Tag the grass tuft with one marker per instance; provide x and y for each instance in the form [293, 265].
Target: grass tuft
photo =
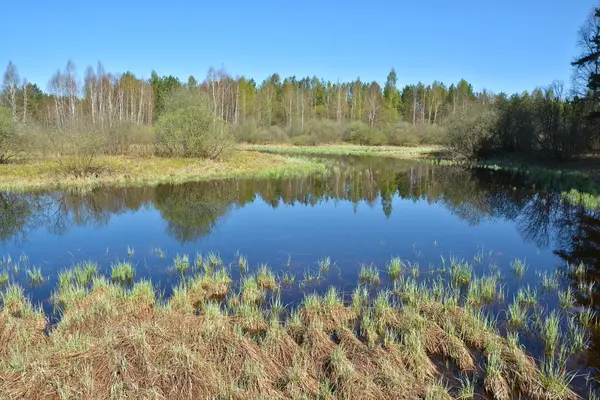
[369, 274]
[122, 272]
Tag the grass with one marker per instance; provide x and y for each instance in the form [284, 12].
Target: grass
[550, 332]
[516, 315]
[460, 271]
[288, 279]
[369, 274]
[549, 281]
[347, 149]
[243, 263]
[39, 173]
[566, 298]
[528, 296]
[35, 275]
[519, 267]
[182, 263]
[394, 268]
[207, 341]
[324, 264]
[122, 272]
[4, 279]
[83, 273]
[265, 278]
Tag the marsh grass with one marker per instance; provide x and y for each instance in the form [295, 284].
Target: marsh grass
[182, 263]
[528, 296]
[587, 317]
[213, 338]
[160, 253]
[579, 271]
[324, 264]
[288, 279]
[212, 261]
[369, 274]
[549, 281]
[35, 275]
[130, 252]
[122, 272]
[310, 277]
[243, 263]
[461, 271]
[4, 279]
[265, 278]
[394, 268]
[519, 267]
[566, 299]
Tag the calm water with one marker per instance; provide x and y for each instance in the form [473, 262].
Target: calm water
[365, 210]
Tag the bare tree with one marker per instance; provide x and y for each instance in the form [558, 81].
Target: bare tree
[10, 85]
[25, 99]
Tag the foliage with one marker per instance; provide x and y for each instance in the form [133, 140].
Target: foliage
[7, 134]
[192, 129]
[470, 132]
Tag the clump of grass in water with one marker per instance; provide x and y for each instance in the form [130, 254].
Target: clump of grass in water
[484, 290]
[527, 296]
[3, 279]
[516, 315]
[578, 336]
[394, 268]
[288, 279]
[35, 275]
[566, 299]
[579, 270]
[182, 263]
[519, 267]
[555, 380]
[158, 252]
[213, 260]
[414, 270]
[310, 277]
[243, 263]
[265, 277]
[324, 264]
[82, 273]
[130, 252]
[586, 288]
[467, 388]
[587, 317]
[369, 274]
[122, 272]
[460, 271]
[550, 332]
[198, 262]
[549, 281]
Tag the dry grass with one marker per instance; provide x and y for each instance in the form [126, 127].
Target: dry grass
[115, 342]
[128, 170]
[418, 152]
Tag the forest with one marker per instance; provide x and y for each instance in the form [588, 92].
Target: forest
[99, 112]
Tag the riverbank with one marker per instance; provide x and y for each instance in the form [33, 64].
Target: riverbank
[128, 171]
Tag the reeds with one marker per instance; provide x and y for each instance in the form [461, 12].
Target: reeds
[35, 275]
[182, 263]
[265, 278]
[122, 272]
[550, 331]
[460, 271]
[394, 268]
[519, 267]
[324, 264]
[369, 274]
[566, 299]
[516, 314]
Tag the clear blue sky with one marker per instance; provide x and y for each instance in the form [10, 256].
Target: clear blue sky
[502, 45]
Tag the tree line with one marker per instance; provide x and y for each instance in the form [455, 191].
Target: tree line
[120, 111]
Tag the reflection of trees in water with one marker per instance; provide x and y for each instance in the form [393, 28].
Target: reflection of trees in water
[192, 210]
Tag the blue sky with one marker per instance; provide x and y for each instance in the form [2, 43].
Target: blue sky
[502, 45]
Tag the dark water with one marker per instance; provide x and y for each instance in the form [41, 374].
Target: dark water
[365, 210]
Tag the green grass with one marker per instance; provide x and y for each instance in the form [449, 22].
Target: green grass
[578, 336]
[4, 279]
[130, 252]
[519, 267]
[550, 331]
[484, 290]
[516, 315]
[528, 296]
[83, 273]
[461, 271]
[394, 268]
[288, 279]
[243, 263]
[549, 281]
[369, 274]
[160, 253]
[566, 299]
[182, 263]
[555, 380]
[265, 277]
[588, 201]
[35, 275]
[122, 272]
[324, 264]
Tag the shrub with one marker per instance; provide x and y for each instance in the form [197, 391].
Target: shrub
[77, 150]
[7, 135]
[192, 131]
[359, 133]
[470, 132]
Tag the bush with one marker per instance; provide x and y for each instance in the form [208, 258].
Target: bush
[471, 132]
[77, 150]
[193, 131]
[8, 135]
[359, 133]
[250, 132]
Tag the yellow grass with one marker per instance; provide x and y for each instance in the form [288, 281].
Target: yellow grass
[129, 170]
